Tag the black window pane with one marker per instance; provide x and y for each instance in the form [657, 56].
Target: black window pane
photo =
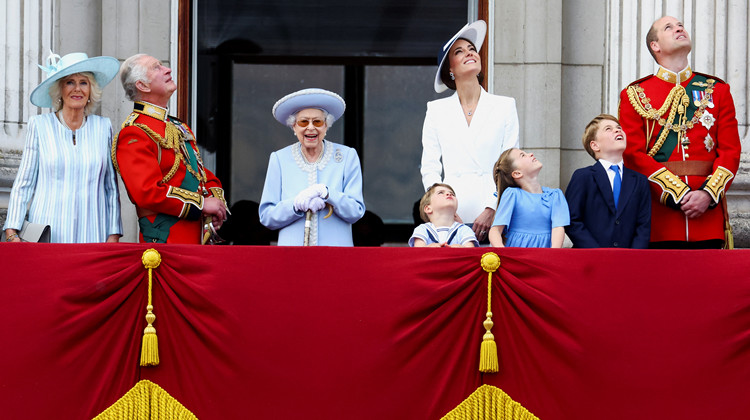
[255, 133]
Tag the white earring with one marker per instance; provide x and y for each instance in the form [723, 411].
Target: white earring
[452, 76]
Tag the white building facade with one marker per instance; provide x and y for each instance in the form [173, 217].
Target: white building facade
[564, 62]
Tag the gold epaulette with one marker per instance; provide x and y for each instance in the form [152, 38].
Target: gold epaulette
[717, 182]
[670, 184]
[129, 121]
[708, 76]
[641, 80]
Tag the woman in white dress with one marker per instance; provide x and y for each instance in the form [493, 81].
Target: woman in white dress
[465, 133]
[65, 169]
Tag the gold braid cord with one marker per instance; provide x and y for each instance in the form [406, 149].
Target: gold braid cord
[174, 142]
[488, 353]
[146, 400]
[677, 102]
[150, 345]
[490, 403]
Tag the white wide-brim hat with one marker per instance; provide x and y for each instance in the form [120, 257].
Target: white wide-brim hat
[308, 98]
[474, 32]
[104, 69]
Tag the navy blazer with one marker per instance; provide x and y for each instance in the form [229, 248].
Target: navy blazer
[594, 221]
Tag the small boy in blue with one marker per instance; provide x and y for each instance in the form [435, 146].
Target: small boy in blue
[438, 209]
[610, 205]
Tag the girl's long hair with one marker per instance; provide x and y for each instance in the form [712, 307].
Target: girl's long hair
[502, 173]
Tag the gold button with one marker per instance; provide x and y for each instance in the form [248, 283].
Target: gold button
[687, 155]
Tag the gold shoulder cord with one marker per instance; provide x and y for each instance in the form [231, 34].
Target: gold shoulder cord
[113, 152]
[173, 142]
[677, 102]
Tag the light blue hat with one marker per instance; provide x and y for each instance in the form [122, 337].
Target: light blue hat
[309, 98]
[104, 69]
[474, 32]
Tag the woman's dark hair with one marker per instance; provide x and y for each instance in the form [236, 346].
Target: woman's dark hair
[445, 76]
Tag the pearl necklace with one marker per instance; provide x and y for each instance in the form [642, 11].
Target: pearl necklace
[62, 120]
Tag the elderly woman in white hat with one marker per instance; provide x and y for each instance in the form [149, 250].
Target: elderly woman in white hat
[65, 165]
[313, 175]
[465, 133]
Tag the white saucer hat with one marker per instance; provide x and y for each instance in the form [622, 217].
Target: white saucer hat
[474, 32]
[308, 98]
[104, 69]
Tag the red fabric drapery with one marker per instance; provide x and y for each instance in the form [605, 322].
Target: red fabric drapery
[268, 332]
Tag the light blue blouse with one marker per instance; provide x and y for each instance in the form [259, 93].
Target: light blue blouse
[74, 187]
[288, 173]
[529, 218]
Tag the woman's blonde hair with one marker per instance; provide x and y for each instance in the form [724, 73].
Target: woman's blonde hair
[503, 173]
[95, 92]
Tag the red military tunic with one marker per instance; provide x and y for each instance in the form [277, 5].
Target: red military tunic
[146, 162]
[702, 150]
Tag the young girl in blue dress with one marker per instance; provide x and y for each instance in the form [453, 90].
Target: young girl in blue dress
[528, 215]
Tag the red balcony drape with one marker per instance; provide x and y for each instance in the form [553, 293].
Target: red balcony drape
[366, 333]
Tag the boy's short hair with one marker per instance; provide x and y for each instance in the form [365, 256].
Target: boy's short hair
[427, 199]
[589, 134]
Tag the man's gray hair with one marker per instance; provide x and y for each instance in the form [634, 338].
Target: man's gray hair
[292, 119]
[131, 72]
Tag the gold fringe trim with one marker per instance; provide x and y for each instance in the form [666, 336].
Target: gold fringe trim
[491, 403]
[488, 352]
[150, 345]
[146, 400]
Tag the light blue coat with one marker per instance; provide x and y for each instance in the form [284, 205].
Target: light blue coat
[289, 173]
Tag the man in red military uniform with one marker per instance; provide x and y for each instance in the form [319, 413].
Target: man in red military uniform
[682, 134]
[158, 160]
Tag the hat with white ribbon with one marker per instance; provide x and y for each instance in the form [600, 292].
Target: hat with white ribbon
[104, 69]
[474, 32]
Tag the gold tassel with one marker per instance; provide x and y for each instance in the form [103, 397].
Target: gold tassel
[488, 403]
[150, 346]
[728, 236]
[488, 352]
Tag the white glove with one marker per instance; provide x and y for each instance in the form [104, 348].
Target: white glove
[320, 190]
[317, 204]
[302, 200]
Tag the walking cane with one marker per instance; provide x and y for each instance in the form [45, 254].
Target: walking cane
[308, 222]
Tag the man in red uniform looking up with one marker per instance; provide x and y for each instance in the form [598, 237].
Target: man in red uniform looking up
[158, 159]
[682, 134]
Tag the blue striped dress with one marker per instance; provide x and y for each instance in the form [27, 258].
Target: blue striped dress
[74, 187]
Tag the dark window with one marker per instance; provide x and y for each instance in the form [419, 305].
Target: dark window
[379, 55]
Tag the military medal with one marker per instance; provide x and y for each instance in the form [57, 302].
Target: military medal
[709, 142]
[707, 120]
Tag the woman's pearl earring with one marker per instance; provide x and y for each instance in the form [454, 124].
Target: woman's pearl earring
[452, 76]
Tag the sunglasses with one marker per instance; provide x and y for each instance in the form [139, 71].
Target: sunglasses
[316, 123]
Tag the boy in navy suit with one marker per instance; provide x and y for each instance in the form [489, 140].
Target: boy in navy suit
[610, 205]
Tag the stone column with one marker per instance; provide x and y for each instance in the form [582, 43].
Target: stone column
[27, 36]
[527, 54]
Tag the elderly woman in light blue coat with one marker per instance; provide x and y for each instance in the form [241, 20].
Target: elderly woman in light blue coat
[313, 175]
